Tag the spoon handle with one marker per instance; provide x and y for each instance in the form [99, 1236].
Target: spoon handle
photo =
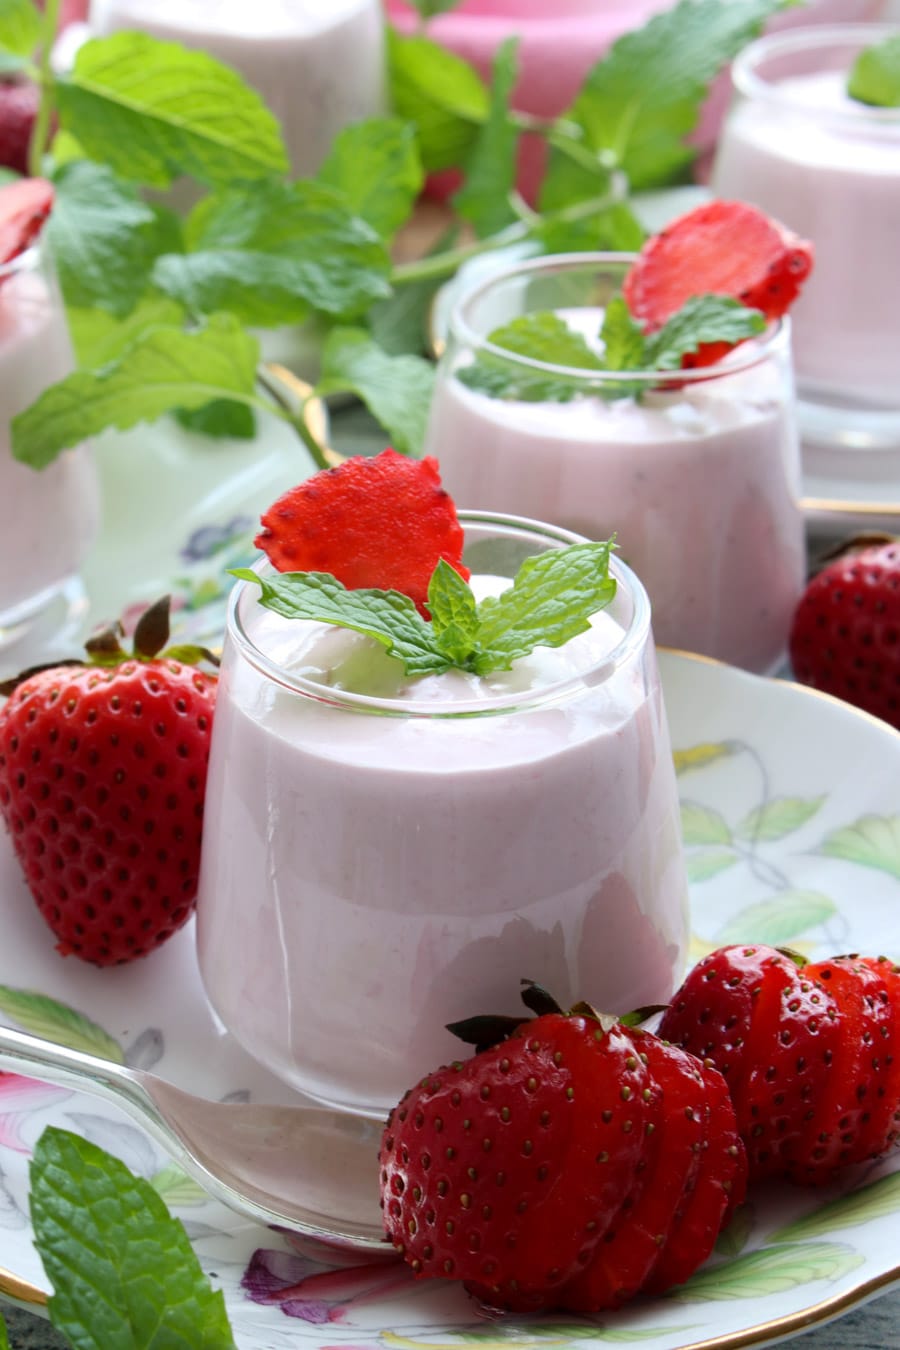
[76, 1069]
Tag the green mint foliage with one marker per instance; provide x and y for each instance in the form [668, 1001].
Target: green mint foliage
[4, 1337]
[454, 614]
[875, 77]
[546, 337]
[99, 337]
[387, 616]
[164, 368]
[643, 99]
[550, 602]
[153, 111]
[124, 1274]
[376, 167]
[396, 389]
[700, 320]
[428, 9]
[443, 96]
[490, 171]
[272, 254]
[223, 418]
[20, 32]
[102, 237]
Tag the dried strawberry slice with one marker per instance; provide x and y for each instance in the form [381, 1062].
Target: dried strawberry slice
[24, 207]
[720, 248]
[383, 521]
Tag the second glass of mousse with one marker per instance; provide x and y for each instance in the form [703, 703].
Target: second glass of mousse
[696, 471]
[385, 854]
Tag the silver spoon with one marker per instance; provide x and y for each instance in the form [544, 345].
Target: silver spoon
[304, 1168]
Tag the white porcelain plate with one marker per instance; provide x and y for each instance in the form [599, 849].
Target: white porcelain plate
[791, 807]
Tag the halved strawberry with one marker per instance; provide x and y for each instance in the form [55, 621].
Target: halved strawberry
[720, 248]
[381, 522]
[24, 207]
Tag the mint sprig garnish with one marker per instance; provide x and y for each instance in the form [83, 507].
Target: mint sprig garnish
[875, 76]
[622, 346]
[551, 601]
[124, 1274]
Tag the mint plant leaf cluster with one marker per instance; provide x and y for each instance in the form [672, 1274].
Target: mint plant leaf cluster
[546, 338]
[551, 600]
[124, 1274]
[875, 77]
[136, 114]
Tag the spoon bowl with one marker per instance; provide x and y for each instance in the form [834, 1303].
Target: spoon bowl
[306, 1169]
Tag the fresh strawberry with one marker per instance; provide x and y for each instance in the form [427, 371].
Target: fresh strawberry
[381, 522]
[809, 1053]
[19, 102]
[102, 782]
[845, 633]
[24, 207]
[720, 248]
[559, 1167]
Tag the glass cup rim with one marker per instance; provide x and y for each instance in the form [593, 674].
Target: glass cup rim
[748, 82]
[745, 356]
[22, 262]
[633, 642]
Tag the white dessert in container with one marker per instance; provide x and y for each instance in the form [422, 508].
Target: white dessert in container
[797, 145]
[48, 517]
[383, 856]
[698, 475]
[318, 64]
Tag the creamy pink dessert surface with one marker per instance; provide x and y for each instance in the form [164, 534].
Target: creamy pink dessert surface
[829, 167]
[318, 64]
[700, 485]
[367, 879]
[48, 517]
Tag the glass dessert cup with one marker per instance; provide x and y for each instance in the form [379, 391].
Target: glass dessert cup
[318, 66]
[795, 144]
[697, 472]
[48, 517]
[376, 865]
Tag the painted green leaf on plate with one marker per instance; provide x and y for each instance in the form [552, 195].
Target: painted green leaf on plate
[702, 825]
[43, 1016]
[777, 920]
[701, 756]
[733, 1239]
[873, 841]
[770, 1271]
[177, 1188]
[878, 1200]
[710, 862]
[778, 818]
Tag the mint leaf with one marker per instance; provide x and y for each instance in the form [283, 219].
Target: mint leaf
[550, 602]
[99, 337]
[155, 110]
[4, 1338]
[375, 166]
[164, 368]
[427, 9]
[702, 319]
[270, 255]
[490, 169]
[397, 390]
[124, 1274]
[101, 235]
[20, 29]
[441, 94]
[454, 614]
[875, 77]
[615, 229]
[643, 99]
[387, 616]
[545, 336]
[541, 336]
[221, 419]
[624, 344]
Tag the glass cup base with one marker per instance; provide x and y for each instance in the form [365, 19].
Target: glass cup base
[848, 440]
[45, 627]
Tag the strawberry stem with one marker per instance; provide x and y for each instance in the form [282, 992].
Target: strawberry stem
[40, 132]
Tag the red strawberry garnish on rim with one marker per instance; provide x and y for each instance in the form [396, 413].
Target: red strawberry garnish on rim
[24, 208]
[721, 248]
[102, 786]
[382, 522]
